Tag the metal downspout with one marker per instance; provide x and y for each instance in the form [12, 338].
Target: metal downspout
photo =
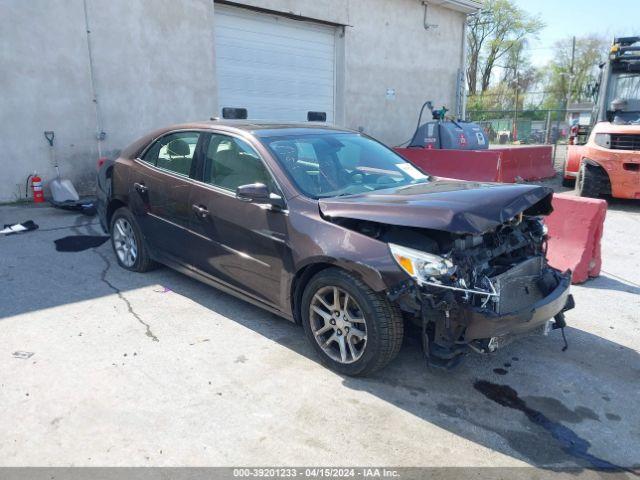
[462, 96]
[100, 134]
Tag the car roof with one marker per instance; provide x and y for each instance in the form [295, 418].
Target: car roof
[263, 128]
[259, 129]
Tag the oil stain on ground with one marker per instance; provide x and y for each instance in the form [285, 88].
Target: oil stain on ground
[78, 243]
[568, 441]
[558, 411]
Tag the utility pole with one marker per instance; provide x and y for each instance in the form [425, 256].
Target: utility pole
[567, 96]
[571, 70]
[571, 75]
[515, 114]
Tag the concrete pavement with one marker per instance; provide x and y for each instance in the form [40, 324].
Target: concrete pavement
[158, 369]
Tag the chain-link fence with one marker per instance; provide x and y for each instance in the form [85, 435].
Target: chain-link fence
[523, 127]
[528, 127]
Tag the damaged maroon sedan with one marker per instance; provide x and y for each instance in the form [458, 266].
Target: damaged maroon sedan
[333, 230]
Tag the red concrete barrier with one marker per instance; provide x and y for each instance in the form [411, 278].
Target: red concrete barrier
[527, 163]
[575, 231]
[496, 165]
[474, 165]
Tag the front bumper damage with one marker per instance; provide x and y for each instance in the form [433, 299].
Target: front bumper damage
[453, 326]
[482, 324]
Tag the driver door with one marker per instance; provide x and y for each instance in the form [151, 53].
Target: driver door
[241, 244]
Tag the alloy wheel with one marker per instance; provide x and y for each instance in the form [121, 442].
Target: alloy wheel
[124, 242]
[338, 324]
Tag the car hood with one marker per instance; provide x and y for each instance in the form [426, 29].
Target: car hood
[448, 205]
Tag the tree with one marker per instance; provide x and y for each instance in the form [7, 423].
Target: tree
[518, 73]
[517, 77]
[492, 34]
[564, 85]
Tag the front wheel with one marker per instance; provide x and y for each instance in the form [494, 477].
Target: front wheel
[355, 330]
[590, 182]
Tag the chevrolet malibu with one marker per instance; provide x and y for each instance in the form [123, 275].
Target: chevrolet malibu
[333, 230]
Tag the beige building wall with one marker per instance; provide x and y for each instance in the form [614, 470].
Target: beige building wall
[152, 63]
[389, 64]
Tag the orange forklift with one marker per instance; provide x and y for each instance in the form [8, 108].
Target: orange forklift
[608, 163]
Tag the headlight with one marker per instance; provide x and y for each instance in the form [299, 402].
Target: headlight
[421, 265]
[545, 230]
[603, 140]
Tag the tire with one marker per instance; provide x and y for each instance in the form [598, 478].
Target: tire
[591, 181]
[371, 313]
[142, 261]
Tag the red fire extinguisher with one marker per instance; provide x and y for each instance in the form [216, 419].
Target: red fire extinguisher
[36, 186]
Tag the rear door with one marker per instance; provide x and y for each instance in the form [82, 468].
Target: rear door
[241, 244]
[161, 182]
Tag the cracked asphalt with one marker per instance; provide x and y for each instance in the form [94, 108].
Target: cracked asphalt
[99, 366]
[103, 277]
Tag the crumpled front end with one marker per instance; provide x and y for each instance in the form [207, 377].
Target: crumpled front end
[499, 286]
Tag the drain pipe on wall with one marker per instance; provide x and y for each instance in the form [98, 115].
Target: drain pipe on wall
[468, 7]
[473, 10]
[426, 24]
[462, 75]
[100, 134]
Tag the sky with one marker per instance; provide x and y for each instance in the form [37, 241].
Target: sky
[565, 18]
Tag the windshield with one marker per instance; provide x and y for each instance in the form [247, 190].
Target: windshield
[336, 164]
[624, 94]
[626, 86]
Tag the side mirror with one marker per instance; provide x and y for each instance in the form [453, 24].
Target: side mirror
[259, 193]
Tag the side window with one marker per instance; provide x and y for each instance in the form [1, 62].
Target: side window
[231, 162]
[174, 152]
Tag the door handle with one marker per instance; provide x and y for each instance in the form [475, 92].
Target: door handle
[200, 211]
[141, 187]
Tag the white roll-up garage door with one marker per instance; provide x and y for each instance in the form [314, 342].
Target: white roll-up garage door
[277, 68]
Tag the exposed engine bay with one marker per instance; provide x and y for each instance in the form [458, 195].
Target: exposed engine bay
[474, 259]
[481, 262]
[482, 279]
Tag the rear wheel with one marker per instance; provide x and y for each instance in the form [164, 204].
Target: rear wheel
[592, 181]
[128, 243]
[355, 330]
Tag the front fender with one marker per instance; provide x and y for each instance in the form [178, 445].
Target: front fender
[574, 157]
[368, 274]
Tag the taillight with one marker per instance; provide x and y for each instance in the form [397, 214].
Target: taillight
[101, 161]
